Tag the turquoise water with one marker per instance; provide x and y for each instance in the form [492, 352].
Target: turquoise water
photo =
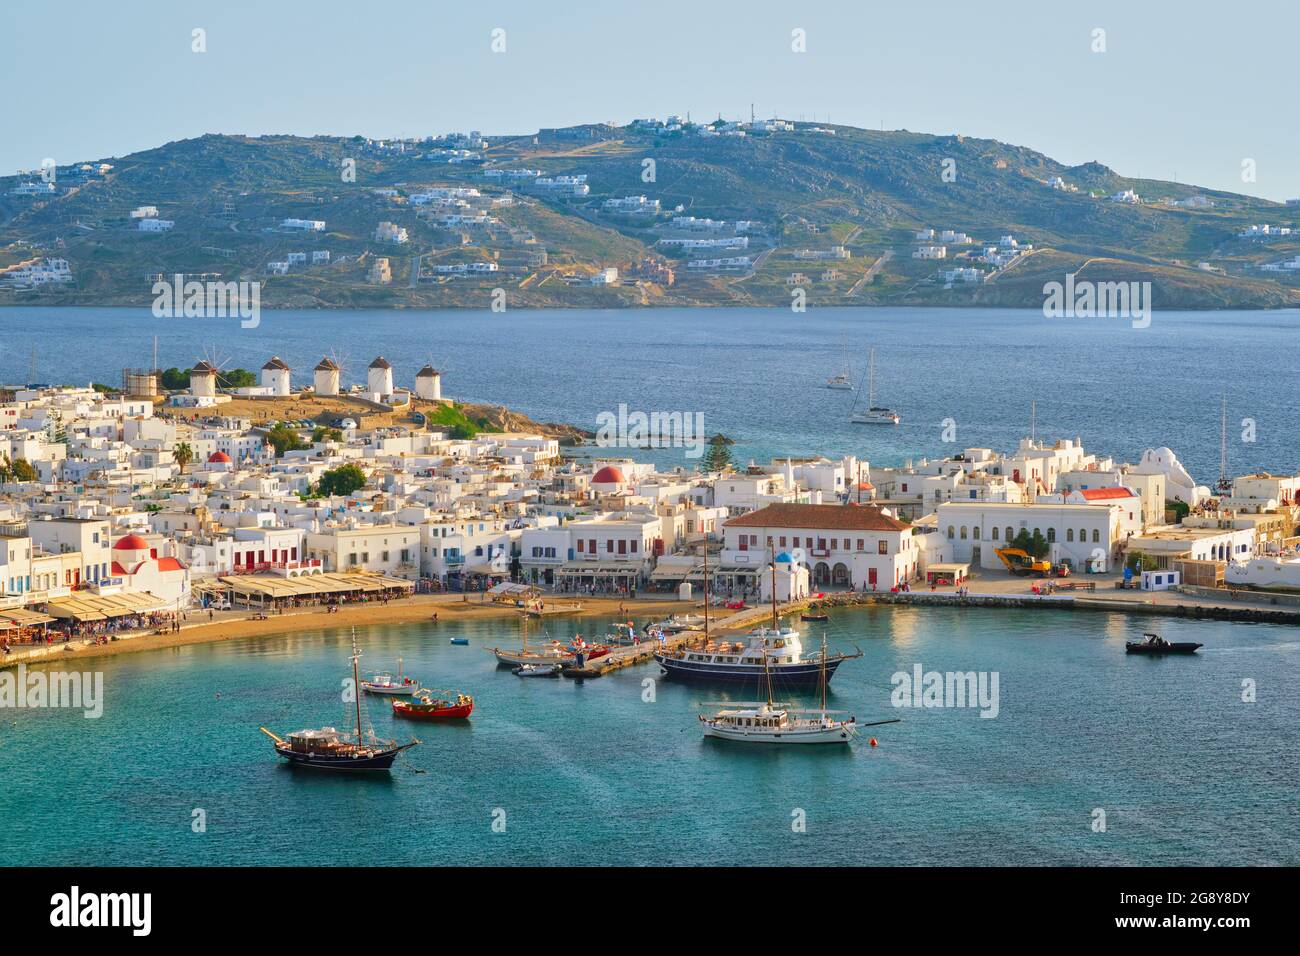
[590, 773]
[756, 374]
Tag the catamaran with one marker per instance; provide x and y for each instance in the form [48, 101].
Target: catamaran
[332, 749]
[873, 414]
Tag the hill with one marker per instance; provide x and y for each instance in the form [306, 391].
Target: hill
[832, 211]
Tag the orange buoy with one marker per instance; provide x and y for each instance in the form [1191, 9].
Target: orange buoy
[873, 741]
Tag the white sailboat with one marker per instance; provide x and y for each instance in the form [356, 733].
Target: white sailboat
[841, 381]
[767, 722]
[873, 414]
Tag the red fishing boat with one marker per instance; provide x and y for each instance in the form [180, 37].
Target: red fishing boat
[435, 705]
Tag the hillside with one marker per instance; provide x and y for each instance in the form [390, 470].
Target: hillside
[783, 195]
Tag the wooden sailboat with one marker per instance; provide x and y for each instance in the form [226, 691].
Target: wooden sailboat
[332, 749]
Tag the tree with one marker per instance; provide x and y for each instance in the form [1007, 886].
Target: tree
[342, 480]
[322, 433]
[23, 471]
[718, 457]
[183, 454]
[284, 439]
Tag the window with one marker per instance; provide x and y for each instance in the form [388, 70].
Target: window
[950, 532]
[963, 532]
[1051, 535]
[995, 533]
[1083, 535]
[882, 547]
[1069, 534]
[635, 545]
[1011, 534]
[1096, 536]
[580, 545]
[861, 545]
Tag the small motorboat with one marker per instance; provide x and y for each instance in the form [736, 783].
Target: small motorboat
[399, 686]
[1155, 644]
[435, 705]
[537, 670]
[462, 641]
[806, 616]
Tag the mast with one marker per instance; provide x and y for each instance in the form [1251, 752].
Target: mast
[356, 682]
[776, 621]
[823, 669]
[1223, 445]
[871, 378]
[706, 589]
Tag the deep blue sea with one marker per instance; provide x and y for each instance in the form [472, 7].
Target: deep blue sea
[756, 374]
[591, 772]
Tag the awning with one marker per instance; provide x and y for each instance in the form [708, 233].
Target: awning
[676, 572]
[24, 618]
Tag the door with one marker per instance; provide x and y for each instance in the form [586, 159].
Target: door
[871, 577]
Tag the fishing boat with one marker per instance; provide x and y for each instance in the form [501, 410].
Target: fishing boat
[767, 722]
[552, 652]
[747, 662]
[399, 686]
[332, 749]
[813, 616]
[676, 624]
[873, 414]
[538, 670]
[435, 705]
[1155, 644]
[621, 635]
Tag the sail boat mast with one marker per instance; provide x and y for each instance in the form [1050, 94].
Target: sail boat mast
[706, 589]
[356, 682]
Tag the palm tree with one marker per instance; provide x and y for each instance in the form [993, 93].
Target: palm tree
[183, 454]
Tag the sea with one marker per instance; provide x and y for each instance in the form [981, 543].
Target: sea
[959, 378]
[1090, 756]
[1093, 757]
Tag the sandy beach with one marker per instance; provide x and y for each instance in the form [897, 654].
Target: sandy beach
[229, 625]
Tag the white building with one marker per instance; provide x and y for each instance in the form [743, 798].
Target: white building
[156, 225]
[325, 380]
[379, 378]
[303, 225]
[428, 384]
[275, 377]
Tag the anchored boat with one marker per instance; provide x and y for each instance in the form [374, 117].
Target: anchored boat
[873, 414]
[435, 705]
[399, 686]
[332, 749]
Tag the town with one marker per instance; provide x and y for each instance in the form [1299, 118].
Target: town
[145, 508]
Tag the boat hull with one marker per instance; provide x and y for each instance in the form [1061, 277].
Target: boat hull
[379, 761]
[803, 674]
[418, 712]
[1173, 648]
[519, 658]
[391, 690]
[836, 734]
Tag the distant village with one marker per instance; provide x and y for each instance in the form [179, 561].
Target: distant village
[118, 505]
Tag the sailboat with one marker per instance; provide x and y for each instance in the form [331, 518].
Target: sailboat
[769, 650]
[767, 722]
[332, 749]
[873, 414]
[841, 381]
[551, 653]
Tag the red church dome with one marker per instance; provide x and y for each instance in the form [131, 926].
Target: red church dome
[218, 458]
[131, 542]
[609, 475]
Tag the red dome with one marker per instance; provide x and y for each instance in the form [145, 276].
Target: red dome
[219, 457]
[609, 475]
[131, 542]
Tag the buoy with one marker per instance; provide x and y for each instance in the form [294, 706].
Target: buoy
[873, 741]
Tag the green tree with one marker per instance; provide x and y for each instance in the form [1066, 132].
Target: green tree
[342, 480]
[284, 439]
[718, 455]
[322, 433]
[23, 471]
[174, 379]
[183, 454]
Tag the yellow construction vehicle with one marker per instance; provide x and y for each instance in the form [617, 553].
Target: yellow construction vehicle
[1018, 561]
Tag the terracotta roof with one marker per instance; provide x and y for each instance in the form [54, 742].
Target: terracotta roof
[819, 517]
[609, 475]
[1101, 494]
[170, 564]
[131, 542]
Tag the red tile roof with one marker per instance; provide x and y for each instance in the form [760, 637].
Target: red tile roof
[1101, 494]
[819, 518]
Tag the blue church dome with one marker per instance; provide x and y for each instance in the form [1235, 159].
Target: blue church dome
[784, 558]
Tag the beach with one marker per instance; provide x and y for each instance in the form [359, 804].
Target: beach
[229, 625]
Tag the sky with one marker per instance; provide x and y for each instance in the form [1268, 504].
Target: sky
[1186, 90]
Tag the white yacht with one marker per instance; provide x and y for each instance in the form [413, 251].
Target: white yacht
[840, 382]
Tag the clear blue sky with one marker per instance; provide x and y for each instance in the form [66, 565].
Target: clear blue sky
[1185, 90]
